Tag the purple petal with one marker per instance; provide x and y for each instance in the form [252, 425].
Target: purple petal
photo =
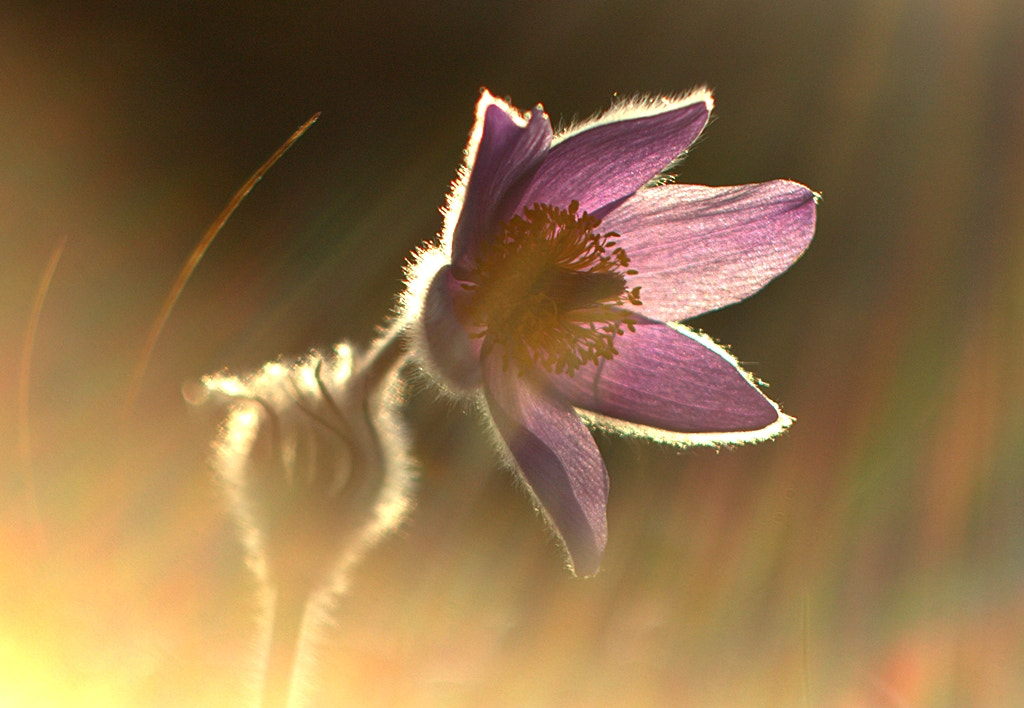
[507, 150]
[451, 351]
[668, 379]
[557, 458]
[701, 248]
[609, 161]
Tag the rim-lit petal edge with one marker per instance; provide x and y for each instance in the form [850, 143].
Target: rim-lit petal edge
[624, 149]
[543, 439]
[724, 243]
[638, 107]
[717, 439]
[455, 200]
[420, 271]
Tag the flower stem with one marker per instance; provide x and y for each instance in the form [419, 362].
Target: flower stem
[293, 587]
[289, 610]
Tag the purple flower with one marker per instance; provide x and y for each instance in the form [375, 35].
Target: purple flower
[563, 261]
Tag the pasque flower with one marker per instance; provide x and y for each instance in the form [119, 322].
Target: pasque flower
[563, 263]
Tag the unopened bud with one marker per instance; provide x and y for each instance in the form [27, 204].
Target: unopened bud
[313, 459]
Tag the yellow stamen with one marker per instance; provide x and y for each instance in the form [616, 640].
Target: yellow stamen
[550, 291]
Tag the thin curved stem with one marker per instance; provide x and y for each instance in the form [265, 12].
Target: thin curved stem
[24, 379]
[193, 261]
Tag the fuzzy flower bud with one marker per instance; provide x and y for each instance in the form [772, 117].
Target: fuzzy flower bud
[313, 460]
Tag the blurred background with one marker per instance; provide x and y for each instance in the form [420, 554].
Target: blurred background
[872, 556]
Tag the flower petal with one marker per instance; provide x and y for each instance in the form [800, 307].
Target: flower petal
[557, 458]
[671, 379]
[604, 163]
[503, 149]
[700, 248]
[451, 351]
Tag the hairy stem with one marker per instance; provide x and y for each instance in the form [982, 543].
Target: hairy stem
[289, 611]
[292, 595]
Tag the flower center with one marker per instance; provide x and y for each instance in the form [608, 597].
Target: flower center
[549, 290]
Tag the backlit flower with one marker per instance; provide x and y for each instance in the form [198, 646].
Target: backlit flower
[563, 258]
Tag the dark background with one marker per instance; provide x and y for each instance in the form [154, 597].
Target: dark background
[873, 555]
